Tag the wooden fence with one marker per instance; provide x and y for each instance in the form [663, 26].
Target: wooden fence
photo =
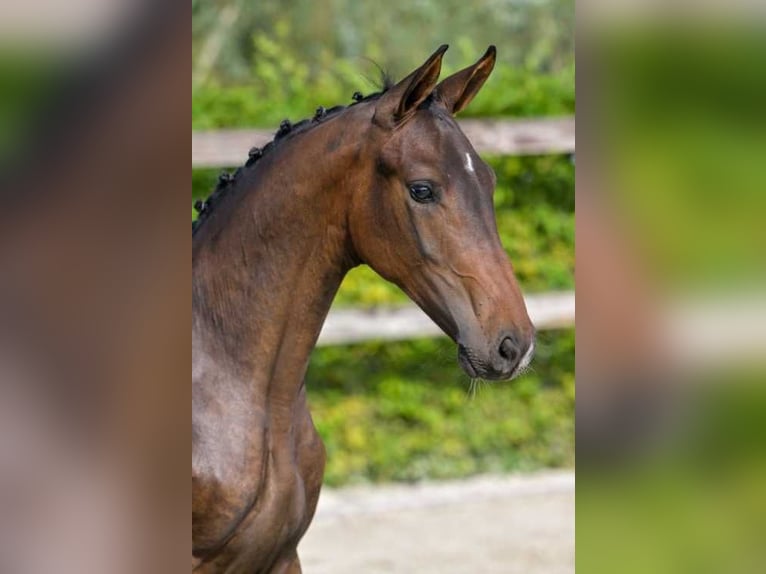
[228, 148]
[547, 311]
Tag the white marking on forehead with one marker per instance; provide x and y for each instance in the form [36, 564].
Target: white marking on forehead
[468, 162]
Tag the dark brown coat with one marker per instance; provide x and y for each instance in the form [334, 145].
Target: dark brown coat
[391, 182]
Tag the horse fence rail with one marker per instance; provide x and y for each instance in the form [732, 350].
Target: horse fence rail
[344, 326]
[229, 147]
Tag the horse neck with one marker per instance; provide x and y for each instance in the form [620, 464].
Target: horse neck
[266, 272]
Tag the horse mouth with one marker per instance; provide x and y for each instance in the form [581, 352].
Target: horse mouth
[464, 359]
[475, 367]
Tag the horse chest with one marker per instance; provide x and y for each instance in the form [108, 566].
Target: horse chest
[293, 481]
[266, 518]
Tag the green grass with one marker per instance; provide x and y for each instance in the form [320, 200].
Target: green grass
[404, 411]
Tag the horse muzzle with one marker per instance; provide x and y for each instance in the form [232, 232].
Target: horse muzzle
[505, 359]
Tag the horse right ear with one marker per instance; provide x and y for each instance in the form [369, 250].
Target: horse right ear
[398, 103]
[457, 90]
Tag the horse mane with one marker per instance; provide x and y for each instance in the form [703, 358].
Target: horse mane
[227, 181]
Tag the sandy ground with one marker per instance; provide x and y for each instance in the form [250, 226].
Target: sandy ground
[489, 524]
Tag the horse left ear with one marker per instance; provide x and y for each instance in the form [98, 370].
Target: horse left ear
[398, 103]
[457, 90]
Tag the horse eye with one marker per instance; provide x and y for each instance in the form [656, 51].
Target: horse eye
[422, 192]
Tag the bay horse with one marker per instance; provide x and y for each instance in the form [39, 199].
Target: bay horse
[390, 181]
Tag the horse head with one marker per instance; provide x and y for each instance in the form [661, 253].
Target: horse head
[425, 220]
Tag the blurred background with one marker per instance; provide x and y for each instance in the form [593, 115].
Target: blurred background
[671, 198]
[94, 288]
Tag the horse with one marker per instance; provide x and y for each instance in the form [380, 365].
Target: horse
[389, 181]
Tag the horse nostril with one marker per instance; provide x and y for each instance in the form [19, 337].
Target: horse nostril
[508, 350]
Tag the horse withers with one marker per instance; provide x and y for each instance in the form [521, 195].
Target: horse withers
[390, 181]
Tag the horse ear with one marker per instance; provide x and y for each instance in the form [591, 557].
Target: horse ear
[399, 102]
[457, 90]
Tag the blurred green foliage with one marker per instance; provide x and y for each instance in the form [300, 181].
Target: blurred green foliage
[285, 88]
[404, 411]
[533, 35]
[248, 73]
[26, 84]
[691, 502]
[684, 141]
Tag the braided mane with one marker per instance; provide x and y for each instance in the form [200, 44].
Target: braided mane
[227, 181]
